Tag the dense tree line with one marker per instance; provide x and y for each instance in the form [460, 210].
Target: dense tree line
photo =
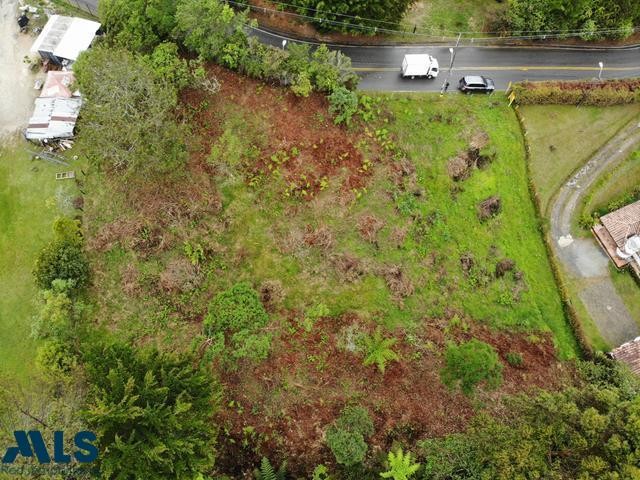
[593, 19]
[353, 15]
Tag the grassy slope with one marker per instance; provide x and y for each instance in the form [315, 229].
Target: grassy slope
[444, 17]
[30, 199]
[260, 223]
[615, 185]
[563, 137]
[514, 232]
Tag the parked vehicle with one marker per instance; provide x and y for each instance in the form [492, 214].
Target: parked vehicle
[476, 83]
[419, 65]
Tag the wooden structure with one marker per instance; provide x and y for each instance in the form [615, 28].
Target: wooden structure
[629, 354]
[615, 228]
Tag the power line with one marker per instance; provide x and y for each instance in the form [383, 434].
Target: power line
[536, 34]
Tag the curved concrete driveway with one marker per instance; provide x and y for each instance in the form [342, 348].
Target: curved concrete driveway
[582, 257]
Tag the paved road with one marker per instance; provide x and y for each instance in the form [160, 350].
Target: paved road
[582, 258]
[379, 65]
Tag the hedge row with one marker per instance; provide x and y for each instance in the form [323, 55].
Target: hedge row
[570, 312]
[612, 92]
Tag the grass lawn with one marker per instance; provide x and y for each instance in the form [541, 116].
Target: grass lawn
[434, 130]
[614, 186]
[628, 290]
[563, 137]
[443, 17]
[30, 199]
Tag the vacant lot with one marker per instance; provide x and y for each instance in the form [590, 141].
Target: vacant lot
[562, 138]
[417, 220]
[30, 199]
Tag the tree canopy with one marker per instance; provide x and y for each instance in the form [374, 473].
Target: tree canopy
[128, 119]
[151, 411]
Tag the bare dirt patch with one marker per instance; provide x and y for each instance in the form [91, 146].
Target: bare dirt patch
[303, 143]
[288, 401]
[16, 80]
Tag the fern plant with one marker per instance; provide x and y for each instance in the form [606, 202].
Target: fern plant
[379, 350]
[267, 472]
[400, 466]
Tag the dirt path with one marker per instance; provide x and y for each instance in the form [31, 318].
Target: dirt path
[582, 258]
[16, 81]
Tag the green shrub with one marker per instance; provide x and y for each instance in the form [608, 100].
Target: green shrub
[343, 104]
[346, 437]
[267, 472]
[152, 412]
[400, 466]
[514, 359]
[301, 86]
[62, 260]
[55, 359]
[469, 364]
[167, 64]
[349, 448]
[355, 419]
[378, 350]
[236, 320]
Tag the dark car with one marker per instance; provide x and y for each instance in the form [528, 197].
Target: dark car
[471, 83]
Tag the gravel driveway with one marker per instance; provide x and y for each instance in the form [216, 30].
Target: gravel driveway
[582, 258]
[16, 81]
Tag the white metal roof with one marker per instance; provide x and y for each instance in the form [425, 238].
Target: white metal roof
[53, 118]
[66, 37]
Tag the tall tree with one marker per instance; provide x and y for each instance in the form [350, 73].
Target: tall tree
[151, 411]
[128, 119]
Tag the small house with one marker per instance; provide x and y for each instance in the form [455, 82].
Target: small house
[629, 354]
[56, 109]
[618, 233]
[63, 39]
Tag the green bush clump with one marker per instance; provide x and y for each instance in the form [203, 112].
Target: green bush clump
[469, 364]
[236, 320]
[514, 359]
[346, 436]
[54, 359]
[343, 104]
[63, 258]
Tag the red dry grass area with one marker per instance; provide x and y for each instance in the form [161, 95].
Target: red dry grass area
[301, 388]
[324, 150]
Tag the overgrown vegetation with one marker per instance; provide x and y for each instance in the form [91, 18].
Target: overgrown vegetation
[152, 412]
[593, 19]
[470, 364]
[362, 16]
[601, 94]
[257, 268]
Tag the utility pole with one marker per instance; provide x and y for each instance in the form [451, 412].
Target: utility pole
[601, 65]
[452, 52]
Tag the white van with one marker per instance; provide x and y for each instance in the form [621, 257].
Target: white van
[419, 65]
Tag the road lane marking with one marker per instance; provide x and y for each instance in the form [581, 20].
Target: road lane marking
[513, 68]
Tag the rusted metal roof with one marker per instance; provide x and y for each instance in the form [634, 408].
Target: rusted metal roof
[53, 118]
[623, 223]
[629, 354]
